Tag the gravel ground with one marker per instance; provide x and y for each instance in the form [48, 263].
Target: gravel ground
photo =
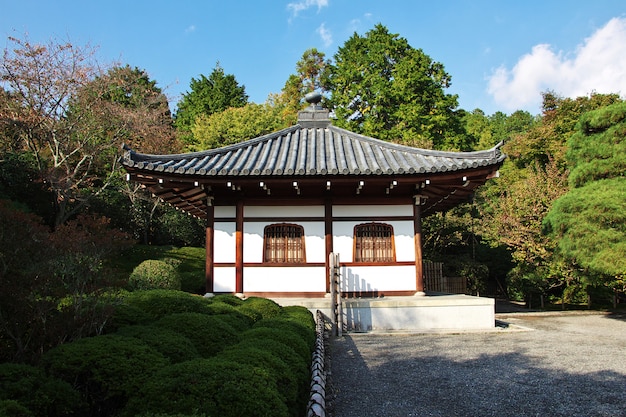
[542, 364]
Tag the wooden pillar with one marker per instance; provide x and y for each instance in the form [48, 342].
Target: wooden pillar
[209, 248]
[417, 237]
[328, 237]
[239, 248]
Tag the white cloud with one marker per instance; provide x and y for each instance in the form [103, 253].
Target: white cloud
[191, 28]
[597, 65]
[325, 34]
[297, 7]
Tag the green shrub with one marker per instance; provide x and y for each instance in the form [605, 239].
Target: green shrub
[191, 268]
[173, 345]
[231, 315]
[158, 303]
[209, 334]
[299, 314]
[107, 370]
[11, 408]
[125, 314]
[282, 335]
[231, 299]
[266, 307]
[154, 274]
[299, 368]
[251, 313]
[40, 394]
[288, 326]
[211, 386]
[286, 381]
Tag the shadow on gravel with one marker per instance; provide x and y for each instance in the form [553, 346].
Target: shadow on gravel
[617, 316]
[450, 376]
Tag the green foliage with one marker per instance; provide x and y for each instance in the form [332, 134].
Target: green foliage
[174, 346]
[285, 334]
[286, 382]
[158, 303]
[210, 95]
[589, 220]
[209, 334]
[299, 368]
[264, 306]
[212, 386]
[596, 151]
[590, 223]
[237, 124]
[11, 408]
[154, 274]
[107, 370]
[41, 395]
[51, 290]
[382, 87]
[284, 324]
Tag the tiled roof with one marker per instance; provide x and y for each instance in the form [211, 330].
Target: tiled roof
[312, 151]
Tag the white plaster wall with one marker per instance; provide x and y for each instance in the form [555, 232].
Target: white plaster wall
[224, 279]
[378, 278]
[283, 211]
[313, 241]
[373, 210]
[284, 279]
[225, 211]
[224, 242]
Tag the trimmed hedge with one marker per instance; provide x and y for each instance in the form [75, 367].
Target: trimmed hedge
[212, 386]
[154, 274]
[158, 303]
[107, 370]
[173, 345]
[285, 380]
[285, 336]
[286, 325]
[267, 308]
[36, 392]
[209, 334]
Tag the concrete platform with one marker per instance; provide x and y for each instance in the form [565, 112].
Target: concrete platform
[433, 311]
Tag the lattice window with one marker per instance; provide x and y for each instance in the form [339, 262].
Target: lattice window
[284, 243]
[373, 242]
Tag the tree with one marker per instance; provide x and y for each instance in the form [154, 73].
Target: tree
[590, 220]
[237, 124]
[309, 75]
[41, 80]
[383, 87]
[210, 95]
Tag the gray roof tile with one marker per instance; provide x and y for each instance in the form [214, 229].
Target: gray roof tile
[312, 151]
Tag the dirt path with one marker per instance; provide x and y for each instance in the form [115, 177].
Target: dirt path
[542, 365]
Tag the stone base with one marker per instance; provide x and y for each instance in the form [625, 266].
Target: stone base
[433, 311]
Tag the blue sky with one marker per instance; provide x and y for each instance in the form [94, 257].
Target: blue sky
[501, 54]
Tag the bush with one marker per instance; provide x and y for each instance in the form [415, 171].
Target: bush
[174, 346]
[11, 408]
[209, 334]
[107, 370]
[158, 303]
[230, 299]
[211, 386]
[285, 325]
[38, 393]
[298, 367]
[267, 308]
[284, 335]
[154, 274]
[231, 315]
[284, 378]
[127, 315]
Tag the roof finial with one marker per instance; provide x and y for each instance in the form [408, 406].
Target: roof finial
[313, 98]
